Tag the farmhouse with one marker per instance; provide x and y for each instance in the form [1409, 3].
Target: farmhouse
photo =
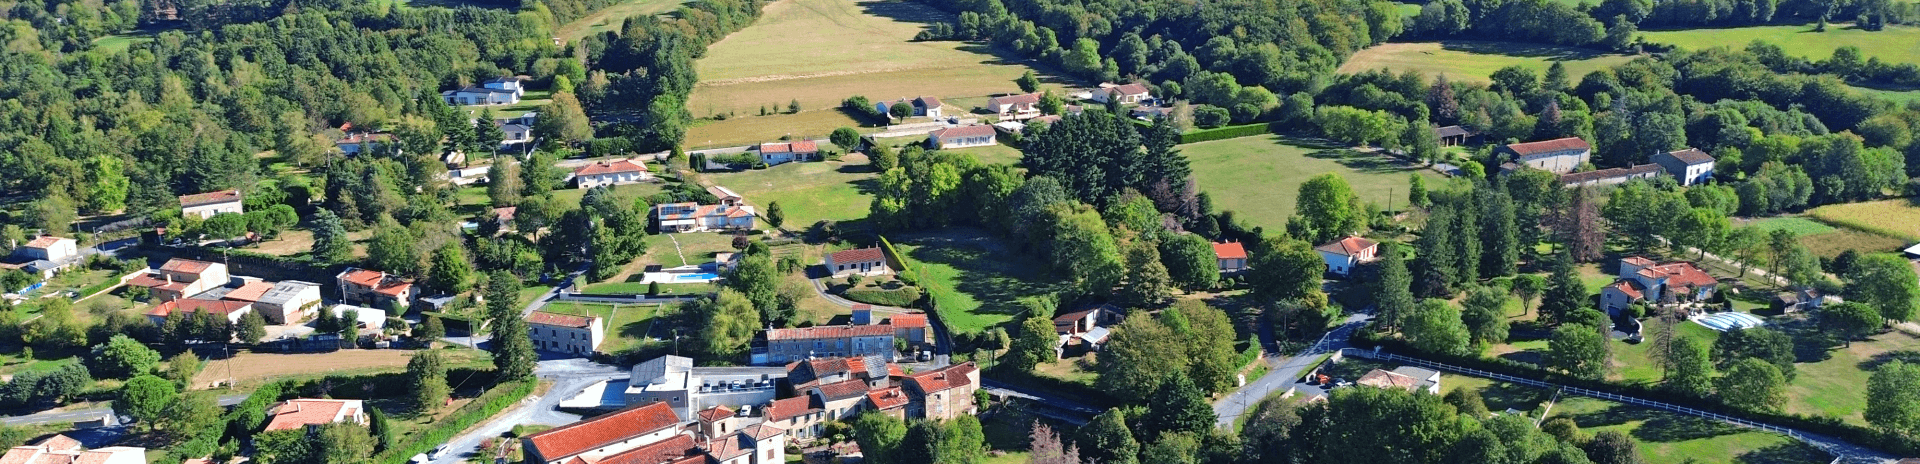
[862, 261]
[695, 217]
[1689, 166]
[616, 172]
[375, 288]
[565, 333]
[232, 310]
[1126, 94]
[1232, 256]
[286, 301]
[1611, 176]
[1407, 378]
[787, 152]
[307, 412]
[1641, 280]
[1023, 106]
[205, 205]
[725, 196]
[1084, 330]
[600, 438]
[922, 106]
[59, 449]
[49, 248]
[1455, 136]
[180, 278]
[1343, 255]
[1560, 156]
[961, 137]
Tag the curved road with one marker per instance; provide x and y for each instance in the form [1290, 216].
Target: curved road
[1282, 372]
[569, 377]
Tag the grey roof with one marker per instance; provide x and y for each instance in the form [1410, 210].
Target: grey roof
[1690, 156]
[654, 370]
[1415, 372]
[284, 291]
[1451, 131]
[876, 366]
[39, 265]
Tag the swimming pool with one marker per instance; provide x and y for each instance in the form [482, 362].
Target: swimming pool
[1722, 322]
[701, 277]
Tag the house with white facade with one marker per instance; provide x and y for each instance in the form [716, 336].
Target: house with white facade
[1640, 279]
[1023, 106]
[1343, 255]
[1559, 156]
[61, 449]
[923, 106]
[181, 278]
[496, 91]
[726, 196]
[616, 172]
[787, 152]
[604, 437]
[861, 261]
[287, 301]
[205, 205]
[228, 309]
[311, 412]
[375, 288]
[961, 137]
[49, 248]
[1231, 255]
[1126, 94]
[1689, 166]
[357, 142]
[513, 135]
[695, 217]
[566, 333]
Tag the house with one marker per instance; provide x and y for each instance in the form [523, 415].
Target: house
[1126, 94]
[1232, 256]
[787, 152]
[287, 301]
[565, 333]
[594, 440]
[943, 393]
[375, 288]
[1642, 280]
[1147, 113]
[503, 216]
[616, 172]
[1084, 330]
[1408, 378]
[357, 142]
[725, 196]
[1451, 136]
[694, 217]
[754, 444]
[672, 380]
[249, 291]
[809, 373]
[509, 83]
[862, 261]
[1611, 176]
[1689, 166]
[512, 135]
[798, 415]
[788, 345]
[891, 401]
[364, 317]
[922, 106]
[49, 248]
[1803, 299]
[961, 137]
[308, 412]
[1023, 106]
[205, 205]
[1343, 255]
[911, 327]
[60, 449]
[180, 278]
[1560, 156]
[840, 400]
[496, 91]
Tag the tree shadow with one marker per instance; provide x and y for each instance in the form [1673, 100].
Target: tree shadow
[1907, 356]
[1549, 52]
[1674, 427]
[1792, 452]
[1365, 162]
[1529, 357]
[1504, 396]
[1616, 415]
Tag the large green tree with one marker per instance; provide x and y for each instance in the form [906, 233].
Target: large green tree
[1435, 326]
[1689, 370]
[1893, 397]
[146, 398]
[1850, 321]
[1887, 283]
[1190, 260]
[1283, 269]
[1483, 311]
[121, 357]
[427, 381]
[729, 320]
[1177, 407]
[1753, 384]
[1579, 350]
[1328, 208]
[1107, 439]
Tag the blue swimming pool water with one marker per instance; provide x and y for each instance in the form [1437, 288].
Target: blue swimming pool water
[701, 277]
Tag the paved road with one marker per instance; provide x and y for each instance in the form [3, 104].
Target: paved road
[51, 417]
[819, 287]
[1282, 372]
[1052, 406]
[569, 376]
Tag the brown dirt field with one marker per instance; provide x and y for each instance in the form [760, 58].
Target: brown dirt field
[249, 368]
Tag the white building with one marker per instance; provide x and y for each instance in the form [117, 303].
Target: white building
[369, 318]
[205, 205]
[1689, 166]
[566, 333]
[50, 248]
[1343, 255]
[961, 137]
[288, 301]
[616, 172]
[309, 412]
[1126, 94]
[862, 261]
[694, 217]
[798, 150]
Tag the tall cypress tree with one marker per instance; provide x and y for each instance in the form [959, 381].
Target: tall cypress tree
[1467, 239]
[1500, 255]
[1396, 286]
[1436, 249]
[1565, 294]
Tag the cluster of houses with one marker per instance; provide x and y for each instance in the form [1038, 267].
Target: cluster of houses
[1566, 156]
[187, 286]
[863, 335]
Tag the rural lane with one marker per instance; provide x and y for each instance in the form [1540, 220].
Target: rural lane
[1282, 373]
[48, 417]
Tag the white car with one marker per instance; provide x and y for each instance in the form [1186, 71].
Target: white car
[437, 453]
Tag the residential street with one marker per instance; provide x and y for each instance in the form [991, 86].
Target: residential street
[569, 377]
[1283, 372]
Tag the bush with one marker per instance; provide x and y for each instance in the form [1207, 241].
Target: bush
[1223, 133]
[900, 297]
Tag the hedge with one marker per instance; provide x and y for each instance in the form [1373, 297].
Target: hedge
[492, 402]
[1829, 426]
[1228, 132]
[899, 297]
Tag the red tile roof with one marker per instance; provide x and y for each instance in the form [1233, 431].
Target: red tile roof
[715, 413]
[1549, 146]
[1684, 274]
[728, 447]
[380, 282]
[843, 389]
[560, 320]
[963, 131]
[1230, 250]
[505, 213]
[887, 398]
[797, 146]
[675, 449]
[928, 102]
[1349, 246]
[609, 167]
[59, 442]
[223, 196]
[942, 379]
[578, 437]
[857, 255]
[908, 320]
[762, 431]
[1637, 261]
[1385, 379]
[789, 408]
[1630, 288]
[297, 413]
[250, 292]
[44, 241]
[158, 281]
[189, 306]
[830, 331]
[186, 266]
[1022, 99]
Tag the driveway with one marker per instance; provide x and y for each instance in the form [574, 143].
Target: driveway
[569, 376]
[1282, 372]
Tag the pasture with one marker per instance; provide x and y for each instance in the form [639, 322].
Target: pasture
[749, 130]
[610, 18]
[1824, 239]
[1895, 44]
[976, 281]
[807, 192]
[1473, 61]
[1258, 178]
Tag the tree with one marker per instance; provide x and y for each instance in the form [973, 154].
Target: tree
[1527, 287]
[251, 329]
[1755, 342]
[1177, 407]
[121, 357]
[395, 250]
[921, 443]
[503, 182]
[1140, 353]
[730, 321]
[1282, 269]
[1207, 334]
[1579, 350]
[1468, 401]
[879, 435]
[191, 413]
[562, 120]
[1893, 397]
[1613, 447]
[901, 110]
[961, 441]
[1327, 206]
[1035, 343]
[513, 355]
[1395, 296]
[1417, 191]
[775, 215]
[1190, 261]
[1850, 320]
[1148, 282]
[145, 398]
[1564, 293]
[450, 271]
[486, 136]
[846, 138]
[182, 367]
[1482, 311]
[427, 380]
[343, 443]
[1435, 326]
[330, 242]
[1753, 384]
[1689, 371]
[431, 330]
[1106, 439]
[1885, 282]
[1028, 82]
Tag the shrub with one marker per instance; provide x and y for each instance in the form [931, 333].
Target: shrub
[1223, 133]
[900, 297]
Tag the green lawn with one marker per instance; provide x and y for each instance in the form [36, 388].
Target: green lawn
[693, 248]
[1630, 360]
[627, 325]
[610, 18]
[976, 280]
[1893, 45]
[807, 192]
[1799, 226]
[637, 288]
[1474, 61]
[1897, 96]
[1663, 438]
[1258, 178]
[1836, 386]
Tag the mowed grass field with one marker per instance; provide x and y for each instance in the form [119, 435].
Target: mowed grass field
[1473, 61]
[1826, 240]
[1895, 44]
[1258, 178]
[977, 281]
[1662, 437]
[610, 18]
[807, 192]
[820, 52]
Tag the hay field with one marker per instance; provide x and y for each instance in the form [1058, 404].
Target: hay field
[1895, 44]
[610, 18]
[1473, 61]
[1258, 178]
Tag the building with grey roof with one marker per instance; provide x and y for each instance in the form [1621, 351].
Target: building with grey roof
[288, 301]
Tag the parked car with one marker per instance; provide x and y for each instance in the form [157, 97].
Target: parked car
[438, 452]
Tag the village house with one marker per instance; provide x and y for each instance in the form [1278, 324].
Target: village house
[1451, 136]
[602, 437]
[616, 172]
[725, 196]
[229, 309]
[49, 248]
[862, 261]
[357, 142]
[1689, 166]
[798, 415]
[283, 302]
[565, 333]
[1147, 113]
[874, 370]
[1559, 156]
[1801, 300]
[840, 400]
[943, 393]
[787, 152]
[1407, 378]
[1084, 330]
[753, 444]
[1344, 255]
[512, 135]
[1642, 280]
[961, 137]
[205, 205]
[496, 91]
[375, 288]
[61, 449]
[1126, 94]
[181, 278]
[694, 217]
[913, 328]
[503, 216]
[789, 345]
[1611, 176]
[923, 106]
[1232, 256]
[301, 413]
[1016, 107]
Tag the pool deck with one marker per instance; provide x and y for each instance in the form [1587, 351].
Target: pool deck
[700, 276]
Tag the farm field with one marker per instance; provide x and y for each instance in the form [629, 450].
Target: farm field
[1894, 45]
[976, 280]
[820, 52]
[807, 192]
[1825, 240]
[1473, 61]
[610, 18]
[748, 130]
[1897, 96]
[1898, 218]
[1258, 178]
[257, 368]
